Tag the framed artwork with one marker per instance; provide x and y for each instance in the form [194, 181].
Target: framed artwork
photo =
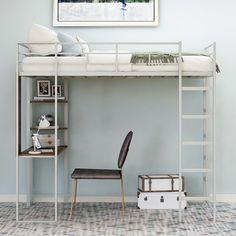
[58, 90]
[43, 88]
[105, 12]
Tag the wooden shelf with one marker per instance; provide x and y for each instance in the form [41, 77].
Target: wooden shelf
[60, 128]
[42, 155]
[48, 101]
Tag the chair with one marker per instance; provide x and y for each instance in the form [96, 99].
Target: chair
[106, 174]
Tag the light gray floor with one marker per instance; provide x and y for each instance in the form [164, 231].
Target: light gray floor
[106, 219]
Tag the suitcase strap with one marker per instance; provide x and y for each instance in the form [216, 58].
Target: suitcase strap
[172, 182]
[149, 182]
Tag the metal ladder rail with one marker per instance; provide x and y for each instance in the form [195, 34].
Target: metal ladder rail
[213, 133]
[205, 136]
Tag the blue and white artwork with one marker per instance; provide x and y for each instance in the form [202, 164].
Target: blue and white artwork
[106, 12]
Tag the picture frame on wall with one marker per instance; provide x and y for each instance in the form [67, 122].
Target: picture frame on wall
[106, 13]
[58, 90]
[43, 88]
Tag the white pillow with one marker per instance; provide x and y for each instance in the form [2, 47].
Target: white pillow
[84, 46]
[41, 34]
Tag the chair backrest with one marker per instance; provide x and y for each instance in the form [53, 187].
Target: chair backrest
[124, 149]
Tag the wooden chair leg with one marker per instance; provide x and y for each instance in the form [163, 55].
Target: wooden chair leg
[73, 199]
[122, 193]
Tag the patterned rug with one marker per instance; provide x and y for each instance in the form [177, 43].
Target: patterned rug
[107, 219]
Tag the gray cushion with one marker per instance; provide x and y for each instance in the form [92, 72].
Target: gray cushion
[80, 173]
[71, 49]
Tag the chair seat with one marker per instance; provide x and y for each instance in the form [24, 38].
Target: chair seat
[80, 173]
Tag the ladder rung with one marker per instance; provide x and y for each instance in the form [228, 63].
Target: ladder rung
[195, 143]
[195, 88]
[204, 116]
[198, 198]
[196, 170]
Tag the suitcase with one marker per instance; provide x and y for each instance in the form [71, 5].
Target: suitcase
[161, 200]
[160, 183]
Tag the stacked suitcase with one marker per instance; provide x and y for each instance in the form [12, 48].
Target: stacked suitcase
[160, 192]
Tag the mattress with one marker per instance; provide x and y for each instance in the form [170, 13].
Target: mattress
[100, 61]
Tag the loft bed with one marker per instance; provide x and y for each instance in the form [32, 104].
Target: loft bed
[117, 62]
[123, 60]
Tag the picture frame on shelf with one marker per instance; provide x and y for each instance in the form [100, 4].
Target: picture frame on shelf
[58, 90]
[106, 13]
[43, 88]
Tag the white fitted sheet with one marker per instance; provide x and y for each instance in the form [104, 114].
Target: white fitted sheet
[105, 61]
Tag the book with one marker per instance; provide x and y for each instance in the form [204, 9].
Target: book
[46, 150]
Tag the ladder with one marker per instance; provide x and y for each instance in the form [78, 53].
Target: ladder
[207, 171]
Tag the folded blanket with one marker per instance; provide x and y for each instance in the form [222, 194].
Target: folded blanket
[153, 58]
[156, 58]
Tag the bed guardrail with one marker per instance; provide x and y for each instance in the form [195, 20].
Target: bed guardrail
[119, 53]
[116, 47]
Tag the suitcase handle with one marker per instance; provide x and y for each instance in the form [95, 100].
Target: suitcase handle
[162, 199]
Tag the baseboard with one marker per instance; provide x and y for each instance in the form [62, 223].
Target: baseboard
[41, 198]
[44, 198]
[12, 198]
[226, 197]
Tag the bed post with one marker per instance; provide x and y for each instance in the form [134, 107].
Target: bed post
[56, 122]
[17, 141]
[213, 133]
[212, 53]
[180, 126]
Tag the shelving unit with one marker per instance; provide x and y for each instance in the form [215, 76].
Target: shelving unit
[24, 146]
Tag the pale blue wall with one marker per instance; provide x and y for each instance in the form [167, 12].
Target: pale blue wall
[102, 111]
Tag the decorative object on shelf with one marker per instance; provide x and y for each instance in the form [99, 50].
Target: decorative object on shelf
[58, 90]
[43, 88]
[49, 118]
[44, 123]
[105, 13]
[47, 140]
[47, 150]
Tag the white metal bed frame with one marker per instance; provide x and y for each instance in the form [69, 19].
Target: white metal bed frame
[208, 116]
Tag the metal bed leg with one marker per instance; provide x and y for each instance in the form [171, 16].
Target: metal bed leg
[180, 126]
[213, 135]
